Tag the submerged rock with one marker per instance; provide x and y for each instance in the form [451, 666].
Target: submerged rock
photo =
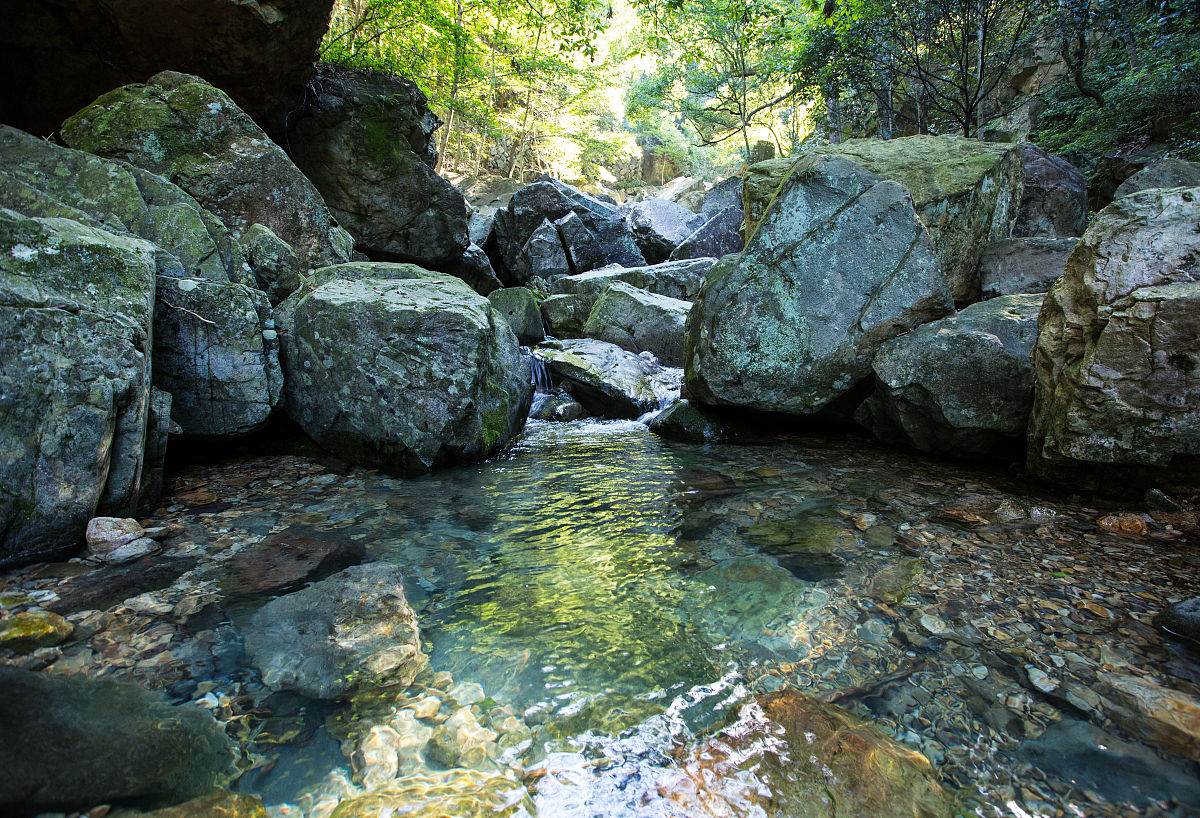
[75, 329]
[394, 366]
[1117, 355]
[30, 630]
[1023, 265]
[639, 321]
[72, 743]
[1181, 619]
[839, 264]
[365, 141]
[609, 381]
[960, 386]
[182, 128]
[352, 630]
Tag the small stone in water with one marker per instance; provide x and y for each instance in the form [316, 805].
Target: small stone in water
[1039, 679]
[427, 707]
[30, 630]
[130, 551]
[1127, 525]
[467, 693]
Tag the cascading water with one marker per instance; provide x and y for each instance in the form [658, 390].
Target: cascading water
[543, 381]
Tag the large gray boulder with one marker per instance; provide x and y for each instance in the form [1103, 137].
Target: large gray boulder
[180, 127]
[542, 255]
[394, 366]
[76, 311]
[674, 279]
[839, 264]
[1054, 200]
[564, 314]
[722, 195]
[520, 309]
[659, 226]
[966, 193]
[210, 351]
[609, 381]
[1165, 173]
[71, 743]
[353, 630]
[639, 321]
[365, 141]
[1023, 265]
[600, 236]
[1118, 349]
[960, 386]
[719, 236]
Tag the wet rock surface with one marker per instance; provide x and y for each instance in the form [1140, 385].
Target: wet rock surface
[609, 381]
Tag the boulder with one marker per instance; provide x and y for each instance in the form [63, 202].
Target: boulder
[63, 54]
[475, 268]
[565, 314]
[1054, 200]
[353, 630]
[1023, 265]
[275, 264]
[674, 279]
[686, 421]
[960, 386]
[639, 321]
[839, 264]
[1118, 349]
[580, 242]
[365, 140]
[609, 381]
[217, 352]
[549, 200]
[542, 255]
[394, 366]
[1165, 173]
[180, 127]
[71, 743]
[719, 236]
[75, 330]
[790, 754]
[659, 226]
[210, 350]
[966, 193]
[518, 306]
[1181, 619]
[722, 195]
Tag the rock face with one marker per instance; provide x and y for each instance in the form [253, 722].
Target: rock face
[1054, 200]
[1117, 352]
[1023, 265]
[674, 279]
[564, 314]
[639, 321]
[74, 742]
[520, 309]
[659, 226]
[722, 195]
[63, 54]
[365, 140]
[609, 381]
[839, 264]
[961, 386]
[1165, 173]
[397, 367]
[597, 235]
[210, 350]
[719, 236]
[75, 330]
[354, 629]
[180, 127]
[966, 193]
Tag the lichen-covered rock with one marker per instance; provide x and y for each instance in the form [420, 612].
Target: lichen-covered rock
[960, 386]
[217, 352]
[354, 629]
[674, 279]
[1023, 265]
[609, 381]
[1165, 173]
[394, 366]
[719, 236]
[609, 239]
[839, 264]
[1054, 200]
[639, 321]
[566, 313]
[965, 192]
[520, 309]
[75, 327]
[275, 264]
[71, 743]
[1117, 358]
[180, 127]
[659, 226]
[365, 140]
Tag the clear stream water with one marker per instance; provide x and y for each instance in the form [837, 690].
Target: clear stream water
[623, 595]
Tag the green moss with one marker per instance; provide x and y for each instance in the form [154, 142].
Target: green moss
[495, 422]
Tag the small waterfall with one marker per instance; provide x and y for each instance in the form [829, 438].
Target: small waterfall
[543, 382]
